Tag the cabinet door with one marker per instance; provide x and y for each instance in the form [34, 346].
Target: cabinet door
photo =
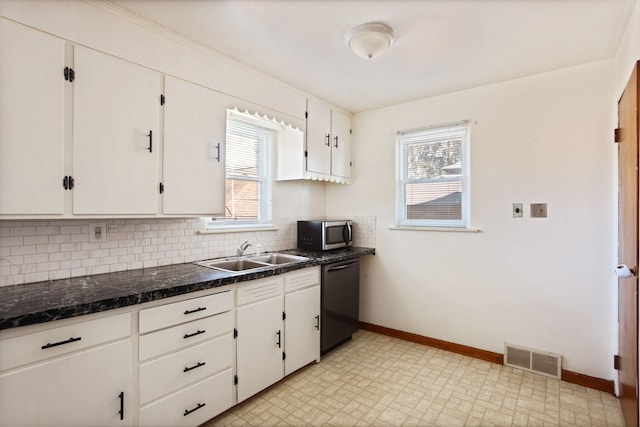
[82, 389]
[194, 136]
[31, 121]
[302, 327]
[260, 345]
[318, 137]
[340, 144]
[115, 128]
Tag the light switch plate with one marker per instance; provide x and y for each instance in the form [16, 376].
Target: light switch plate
[538, 210]
[517, 210]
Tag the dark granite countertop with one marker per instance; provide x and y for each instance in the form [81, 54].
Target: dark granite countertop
[28, 304]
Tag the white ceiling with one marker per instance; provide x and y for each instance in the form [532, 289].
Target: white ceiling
[441, 46]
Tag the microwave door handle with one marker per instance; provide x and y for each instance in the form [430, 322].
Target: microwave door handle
[347, 236]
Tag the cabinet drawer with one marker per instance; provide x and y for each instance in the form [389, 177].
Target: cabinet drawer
[192, 406]
[302, 279]
[259, 290]
[155, 318]
[65, 339]
[177, 370]
[186, 334]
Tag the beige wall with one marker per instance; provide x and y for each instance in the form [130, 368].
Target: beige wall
[543, 283]
[628, 51]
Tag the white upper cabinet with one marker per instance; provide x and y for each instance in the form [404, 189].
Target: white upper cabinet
[31, 121]
[326, 155]
[115, 135]
[83, 134]
[318, 137]
[328, 140]
[193, 159]
[340, 144]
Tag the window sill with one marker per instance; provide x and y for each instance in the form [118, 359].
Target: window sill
[441, 229]
[238, 230]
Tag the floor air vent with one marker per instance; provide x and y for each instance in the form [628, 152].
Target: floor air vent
[540, 362]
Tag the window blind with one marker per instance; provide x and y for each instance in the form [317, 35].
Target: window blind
[247, 195]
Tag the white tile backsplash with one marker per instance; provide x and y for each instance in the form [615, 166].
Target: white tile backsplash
[33, 251]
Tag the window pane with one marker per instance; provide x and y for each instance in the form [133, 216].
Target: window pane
[248, 171]
[432, 188]
[434, 200]
[242, 199]
[434, 159]
[242, 155]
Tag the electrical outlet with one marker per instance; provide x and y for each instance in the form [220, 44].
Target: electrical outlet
[98, 232]
[517, 210]
[538, 210]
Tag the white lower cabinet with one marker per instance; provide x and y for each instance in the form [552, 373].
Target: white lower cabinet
[278, 322]
[90, 386]
[186, 356]
[302, 323]
[260, 345]
[79, 372]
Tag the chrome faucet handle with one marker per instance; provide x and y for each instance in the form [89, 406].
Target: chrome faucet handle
[243, 247]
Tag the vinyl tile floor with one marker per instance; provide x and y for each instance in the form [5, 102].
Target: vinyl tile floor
[375, 380]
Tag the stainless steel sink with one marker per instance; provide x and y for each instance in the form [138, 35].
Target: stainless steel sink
[234, 265]
[246, 265]
[278, 259]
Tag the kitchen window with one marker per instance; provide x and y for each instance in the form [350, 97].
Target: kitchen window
[432, 177]
[249, 139]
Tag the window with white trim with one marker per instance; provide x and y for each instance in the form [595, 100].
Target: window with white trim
[248, 171]
[432, 177]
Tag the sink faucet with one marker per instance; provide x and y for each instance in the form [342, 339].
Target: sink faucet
[243, 247]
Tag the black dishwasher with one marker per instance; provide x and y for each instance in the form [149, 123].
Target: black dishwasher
[340, 303]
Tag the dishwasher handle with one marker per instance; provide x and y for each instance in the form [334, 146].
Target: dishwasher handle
[341, 267]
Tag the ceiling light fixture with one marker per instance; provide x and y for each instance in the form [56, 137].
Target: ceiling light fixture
[369, 40]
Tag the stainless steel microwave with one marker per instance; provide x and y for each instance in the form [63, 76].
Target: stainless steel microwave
[321, 235]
